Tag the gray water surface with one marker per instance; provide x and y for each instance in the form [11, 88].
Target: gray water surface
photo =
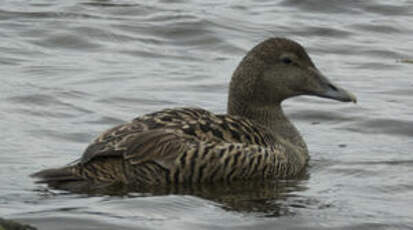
[71, 69]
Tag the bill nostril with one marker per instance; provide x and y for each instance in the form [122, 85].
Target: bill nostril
[332, 87]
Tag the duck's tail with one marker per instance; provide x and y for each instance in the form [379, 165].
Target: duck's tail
[64, 178]
[93, 177]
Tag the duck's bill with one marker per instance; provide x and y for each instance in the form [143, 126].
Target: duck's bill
[337, 93]
[329, 90]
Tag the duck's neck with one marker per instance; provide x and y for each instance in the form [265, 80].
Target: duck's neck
[272, 117]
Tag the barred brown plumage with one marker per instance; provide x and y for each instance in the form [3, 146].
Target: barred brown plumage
[255, 140]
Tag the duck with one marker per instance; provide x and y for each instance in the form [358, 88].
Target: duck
[253, 141]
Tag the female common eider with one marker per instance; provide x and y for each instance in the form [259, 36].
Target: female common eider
[254, 140]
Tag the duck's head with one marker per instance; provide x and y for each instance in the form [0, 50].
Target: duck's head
[277, 69]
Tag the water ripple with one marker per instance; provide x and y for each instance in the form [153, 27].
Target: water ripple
[383, 126]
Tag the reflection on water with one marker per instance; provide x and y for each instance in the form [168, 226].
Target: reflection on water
[264, 198]
[71, 69]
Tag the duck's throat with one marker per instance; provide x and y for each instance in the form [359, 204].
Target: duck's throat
[272, 117]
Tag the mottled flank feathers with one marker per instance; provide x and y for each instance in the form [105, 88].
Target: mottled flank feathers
[183, 145]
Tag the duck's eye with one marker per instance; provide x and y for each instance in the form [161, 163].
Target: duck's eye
[286, 60]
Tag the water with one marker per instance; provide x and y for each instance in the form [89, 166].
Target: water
[72, 69]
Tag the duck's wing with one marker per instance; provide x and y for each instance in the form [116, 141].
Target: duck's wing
[162, 146]
[107, 144]
[117, 141]
[166, 155]
[194, 123]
